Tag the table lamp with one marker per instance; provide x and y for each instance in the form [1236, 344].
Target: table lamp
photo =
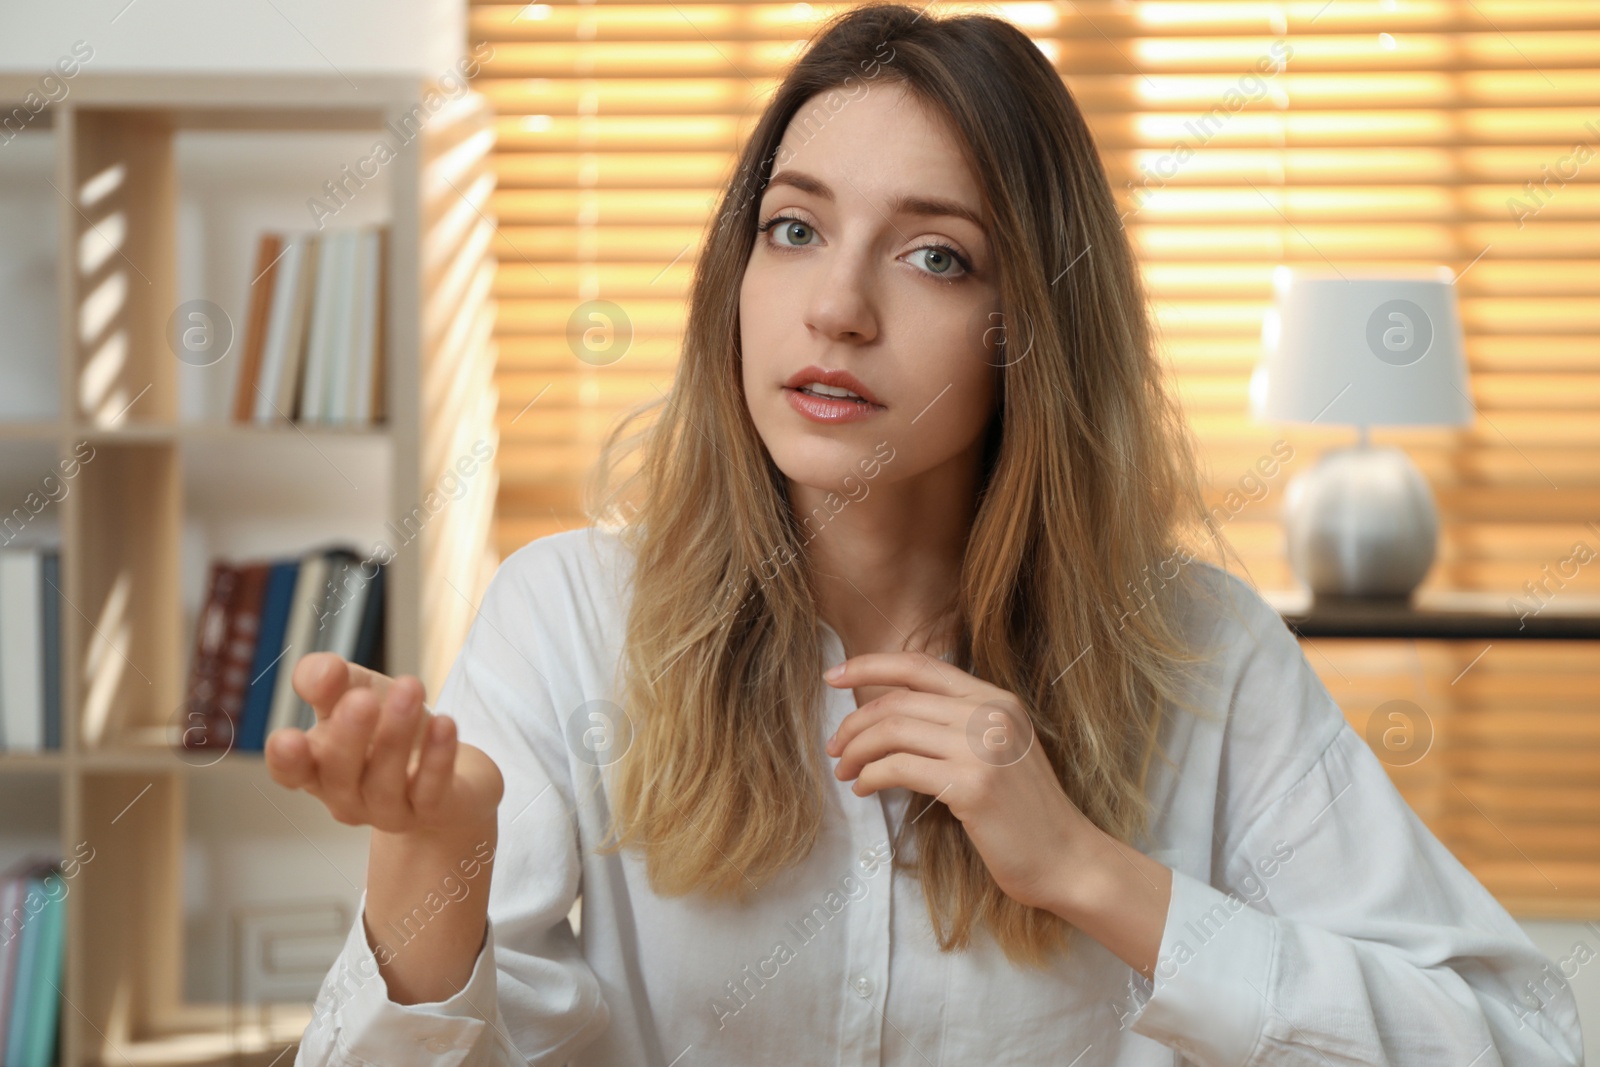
[1362, 351]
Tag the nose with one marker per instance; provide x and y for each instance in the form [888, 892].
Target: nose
[840, 304]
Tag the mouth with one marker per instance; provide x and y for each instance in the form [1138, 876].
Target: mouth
[829, 385]
[820, 406]
[826, 392]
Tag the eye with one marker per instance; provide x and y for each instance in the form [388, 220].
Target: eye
[795, 228]
[939, 260]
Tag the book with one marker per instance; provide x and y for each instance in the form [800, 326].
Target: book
[50, 615]
[299, 638]
[22, 653]
[17, 1028]
[366, 335]
[283, 352]
[281, 580]
[348, 593]
[369, 651]
[39, 1046]
[13, 916]
[322, 338]
[31, 1030]
[244, 627]
[205, 670]
[336, 373]
[380, 299]
[334, 631]
[268, 249]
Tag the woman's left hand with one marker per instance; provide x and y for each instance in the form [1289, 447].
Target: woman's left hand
[971, 746]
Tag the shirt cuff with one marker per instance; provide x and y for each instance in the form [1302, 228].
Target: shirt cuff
[1212, 972]
[371, 1028]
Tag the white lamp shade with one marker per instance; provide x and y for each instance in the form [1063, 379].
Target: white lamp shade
[1363, 351]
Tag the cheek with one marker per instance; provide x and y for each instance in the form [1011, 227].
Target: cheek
[961, 349]
[754, 317]
[943, 372]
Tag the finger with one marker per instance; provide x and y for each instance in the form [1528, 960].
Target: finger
[895, 733]
[939, 710]
[436, 766]
[321, 678]
[288, 755]
[383, 782]
[366, 676]
[412, 684]
[914, 670]
[345, 737]
[917, 773]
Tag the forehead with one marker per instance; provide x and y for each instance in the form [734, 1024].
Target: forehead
[879, 139]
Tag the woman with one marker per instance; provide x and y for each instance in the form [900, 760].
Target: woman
[1088, 802]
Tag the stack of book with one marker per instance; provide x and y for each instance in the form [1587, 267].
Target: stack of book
[256, 622]
[313, 344]
[30, 649]
[33, 913]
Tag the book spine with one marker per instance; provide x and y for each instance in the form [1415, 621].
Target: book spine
[205, 673]
[299, 638]
[39, 1044]
[12, 918]
[21, 651]
[269, 251]
[27, 966]
[269, 654]
[50, 639]
[369, 651]
[289, 396]
[337, 373]
[320, 332]
[244, 627]
[280, 330]
[380, 374]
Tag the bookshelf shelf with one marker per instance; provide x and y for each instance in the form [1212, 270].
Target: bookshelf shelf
[172, 484]
[228, 431]
[32, 761]
[29, 431]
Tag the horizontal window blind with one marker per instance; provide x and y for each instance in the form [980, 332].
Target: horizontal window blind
[1238, 136]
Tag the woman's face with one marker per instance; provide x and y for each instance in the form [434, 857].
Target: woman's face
[865, 266]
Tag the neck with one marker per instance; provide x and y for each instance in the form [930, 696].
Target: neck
[887, 562]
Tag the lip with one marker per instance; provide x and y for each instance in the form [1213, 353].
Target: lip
[822, 409]
[839, 379]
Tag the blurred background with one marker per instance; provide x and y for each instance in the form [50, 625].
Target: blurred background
[319, 311]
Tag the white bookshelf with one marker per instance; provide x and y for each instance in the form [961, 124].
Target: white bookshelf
[132, 194]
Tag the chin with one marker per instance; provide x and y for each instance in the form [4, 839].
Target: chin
[819, 463]
[835, 460]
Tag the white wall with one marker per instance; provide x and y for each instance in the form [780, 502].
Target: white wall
[334, 36]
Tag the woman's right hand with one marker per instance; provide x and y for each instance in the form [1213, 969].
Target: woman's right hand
[378, 757]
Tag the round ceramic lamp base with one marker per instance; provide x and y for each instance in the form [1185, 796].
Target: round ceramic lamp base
[1361, 523]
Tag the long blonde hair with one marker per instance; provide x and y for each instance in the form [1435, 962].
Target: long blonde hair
[1090, 487]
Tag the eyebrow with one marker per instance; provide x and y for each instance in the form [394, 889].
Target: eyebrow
[905, 204]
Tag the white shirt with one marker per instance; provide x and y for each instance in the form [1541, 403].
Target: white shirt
[1314, 919]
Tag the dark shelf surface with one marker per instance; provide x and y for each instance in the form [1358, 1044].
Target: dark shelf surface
[1442, 616]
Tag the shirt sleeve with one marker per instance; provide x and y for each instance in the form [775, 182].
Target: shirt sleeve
[1339, 929]
[532, 998]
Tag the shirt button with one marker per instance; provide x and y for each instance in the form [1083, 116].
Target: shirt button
[863, 985]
